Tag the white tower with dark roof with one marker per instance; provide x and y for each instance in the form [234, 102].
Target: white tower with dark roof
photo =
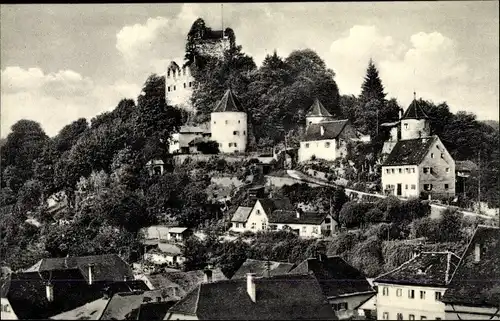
[415, 122]
[228, 123]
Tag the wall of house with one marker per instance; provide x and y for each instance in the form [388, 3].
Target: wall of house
[352, 301]
[229, 128]
[332, 226]
[414, 128]
[257, 218]
[7, 313]
[214, 48]
[305, 230]
[394, 304]
[163, 258]
[238, 227]
[180, 159]
[179, 87]
[443, 167]
[319, 149]
[177, 316]
[174, 144]
[460, 312]
[407, 176]
[317, 119]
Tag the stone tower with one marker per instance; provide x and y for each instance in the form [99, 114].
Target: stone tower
[179, 85]
[415, 122]
[228, 124]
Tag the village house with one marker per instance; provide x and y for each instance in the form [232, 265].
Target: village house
[345, 287]
[326, 138]
[282, 297]
[413, 291]
[163, 233]
[474, 290]
[262, 268]
[165, 254]
[279, 214]
[179, 143]
[418, 162]
[57, 285]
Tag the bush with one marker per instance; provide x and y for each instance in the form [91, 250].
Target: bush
[209, 147]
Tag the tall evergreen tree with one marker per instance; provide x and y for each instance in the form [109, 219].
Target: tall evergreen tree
[372, 87]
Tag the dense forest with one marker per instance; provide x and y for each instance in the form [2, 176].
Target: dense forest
[100, 165]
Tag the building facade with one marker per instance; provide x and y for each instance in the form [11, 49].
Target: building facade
[228, 124]
[179, 85]
[418, 162]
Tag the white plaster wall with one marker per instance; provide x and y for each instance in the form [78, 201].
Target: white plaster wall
[318, 149]
[174, 144]
[9, 314]
[439, 165]
[404, 178]
[414, 126]
[257, 218]
[238, 227]
[392, 304]
[223, 125]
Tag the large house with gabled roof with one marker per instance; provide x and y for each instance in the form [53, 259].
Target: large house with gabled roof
[419, 162]
[413, 290]
[474, 290]
[326, 138]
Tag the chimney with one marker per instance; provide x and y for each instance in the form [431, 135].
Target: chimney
[322, 130]
[91, 270]
[267, 271]
[49, 290]
[174, 291]
[251, 286]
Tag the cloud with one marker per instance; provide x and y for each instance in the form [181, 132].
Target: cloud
[56, 99]
[428, 63]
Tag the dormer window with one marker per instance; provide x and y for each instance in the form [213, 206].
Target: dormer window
[477, 253]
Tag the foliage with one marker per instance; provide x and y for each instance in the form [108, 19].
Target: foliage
[210, 147]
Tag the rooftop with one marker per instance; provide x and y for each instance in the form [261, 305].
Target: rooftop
[318, 110]
[290, 217]
[477, 282]
[228, 103]
[271, 204]
[335, 276]
[426, 269]
[410, 151]
[89, 311]
[325, 130]
[277, 298]
[241, 214]
[415, 111]
[260, 267]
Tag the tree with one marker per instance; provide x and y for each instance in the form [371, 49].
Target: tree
[372, 88]
[195, 253]
[210, 147]
[70, 134]
[30, 196]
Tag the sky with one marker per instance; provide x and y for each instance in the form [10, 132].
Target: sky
[61, 62]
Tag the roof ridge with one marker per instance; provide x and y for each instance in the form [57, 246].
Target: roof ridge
[463, 254]
[396, 269]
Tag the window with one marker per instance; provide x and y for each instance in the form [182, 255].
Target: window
[432, 155]
[423, 317]
[392, 170]
[399, 292]
[175, 87]
[399, 316]
[447, 169]
[190, 84]
[184, 85]
[406, 186]
[432, 171]
[428, 187]
[442, 155]
[239, 121]
[168, 88]
[387, 171]
[385, 291]
[327, 220]
[304, 229]
[264, 225]
[339, 306]
[446, 186]
[438, 296]
[426, 170]
[307, 145]
[258, 212]
[388, 186]
[422, 295]
[411, 317]
[400, 170]
[407, 170]
[226, 122]
[253, 225]
[411, 294]
[315, 229]
[386, 316]
[215, 122]
[413, 170]
[244, 132]
[230, 144]
[236, 133]
[406, 125]
[327, 145]
[235, 145]
[413, 186]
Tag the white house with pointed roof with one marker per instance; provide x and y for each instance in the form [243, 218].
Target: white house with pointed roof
[228, 123]
[317, 114]
[418, 162]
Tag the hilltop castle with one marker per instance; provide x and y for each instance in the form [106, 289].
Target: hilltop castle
[202, 41]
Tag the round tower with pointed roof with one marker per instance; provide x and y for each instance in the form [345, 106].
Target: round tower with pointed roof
[317, 114]
[228, 124]
[415, 122]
